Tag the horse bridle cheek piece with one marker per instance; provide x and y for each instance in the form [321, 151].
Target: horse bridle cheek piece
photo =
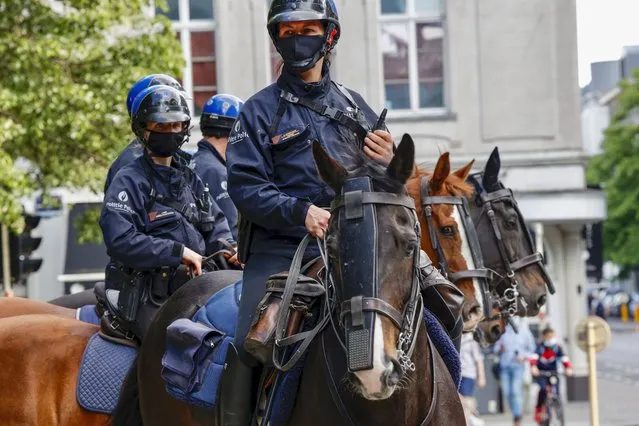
[508, 302]
[482, 274]
[356, 217]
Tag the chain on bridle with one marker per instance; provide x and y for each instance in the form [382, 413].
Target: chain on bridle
[507, 303]
[356, 215]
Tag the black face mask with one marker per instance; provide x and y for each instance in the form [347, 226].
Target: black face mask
[165, 144]
[300, 53]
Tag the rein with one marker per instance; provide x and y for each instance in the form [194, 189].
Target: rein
[354, 210]
[507, 303]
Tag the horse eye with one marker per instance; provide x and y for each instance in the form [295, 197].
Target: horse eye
[447, 231]
[410, 247]
[511, 224]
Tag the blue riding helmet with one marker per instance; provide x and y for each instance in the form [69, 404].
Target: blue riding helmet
[161, 104]
[149, 81]
[219, 114]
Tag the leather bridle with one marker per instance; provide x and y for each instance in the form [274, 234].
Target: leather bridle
[507, 303]
[480, 273]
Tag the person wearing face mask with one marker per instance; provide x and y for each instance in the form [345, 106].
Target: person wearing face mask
[156, 216]
[134, 149]
[547, 357]
[218, 115]
[272, 177]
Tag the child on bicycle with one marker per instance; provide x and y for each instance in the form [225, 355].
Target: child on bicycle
[545, 358]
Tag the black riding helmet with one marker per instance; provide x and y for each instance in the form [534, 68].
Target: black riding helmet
[160, 104]
[305, 10]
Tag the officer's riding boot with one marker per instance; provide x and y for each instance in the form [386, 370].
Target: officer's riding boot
[260, 338]
[442, 298]
[238, 391]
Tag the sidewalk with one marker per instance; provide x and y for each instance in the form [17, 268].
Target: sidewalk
[617, 407]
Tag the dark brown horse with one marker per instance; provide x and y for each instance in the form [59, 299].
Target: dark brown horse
[377, 396]
[521, 281]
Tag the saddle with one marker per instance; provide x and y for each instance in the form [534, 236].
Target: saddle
[261, 336]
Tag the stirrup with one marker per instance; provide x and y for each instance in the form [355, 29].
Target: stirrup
[112, 330]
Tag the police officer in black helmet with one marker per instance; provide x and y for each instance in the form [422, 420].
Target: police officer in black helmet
[272, 177]
[157, 215]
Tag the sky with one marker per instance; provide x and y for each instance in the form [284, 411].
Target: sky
[603, 28]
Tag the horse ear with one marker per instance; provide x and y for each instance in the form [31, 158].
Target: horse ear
[442, 170]
[491, 171]
[403, 163]
[330, 171]
[464, 171]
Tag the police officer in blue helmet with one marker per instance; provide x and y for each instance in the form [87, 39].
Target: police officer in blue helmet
[156, 216]
[134, 149]
[272, 176]
[217, 119]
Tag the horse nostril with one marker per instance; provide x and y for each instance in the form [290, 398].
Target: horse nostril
[394, 376]
[541, 301]
[495, 331]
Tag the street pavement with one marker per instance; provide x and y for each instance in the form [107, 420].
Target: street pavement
[618, 385]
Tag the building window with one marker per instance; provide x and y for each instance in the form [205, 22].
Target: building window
[194, 24]
[412, 45]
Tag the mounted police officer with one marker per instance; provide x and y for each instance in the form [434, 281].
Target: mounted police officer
[156, 216]
[134, 149]
[218, 115]
[272, 177]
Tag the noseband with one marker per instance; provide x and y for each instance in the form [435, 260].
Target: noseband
[507, 303]
[483, 275]
[356, 215]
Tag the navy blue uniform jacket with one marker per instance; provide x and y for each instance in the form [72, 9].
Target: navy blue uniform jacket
[144, 240]
[132, 151]
[211, 168]
[272, 178]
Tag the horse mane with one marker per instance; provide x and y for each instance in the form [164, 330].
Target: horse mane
[358, 164]
[453, 185]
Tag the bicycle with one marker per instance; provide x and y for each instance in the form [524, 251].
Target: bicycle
[553, 407]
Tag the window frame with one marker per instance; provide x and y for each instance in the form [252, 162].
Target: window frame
[412, 18]
[185, 26]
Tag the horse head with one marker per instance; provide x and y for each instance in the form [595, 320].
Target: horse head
[372, 247]
[443, 215]
[519, 287]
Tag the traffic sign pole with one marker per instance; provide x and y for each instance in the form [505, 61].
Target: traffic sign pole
[592, 373]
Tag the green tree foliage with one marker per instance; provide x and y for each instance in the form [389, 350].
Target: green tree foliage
[66, 68]
[617, 171]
